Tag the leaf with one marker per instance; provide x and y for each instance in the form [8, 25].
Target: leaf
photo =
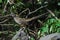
[49, 21]
[0, 1]
[39, 33]
[51, 28]
[45, 29]
[57, 24]
[58, 30]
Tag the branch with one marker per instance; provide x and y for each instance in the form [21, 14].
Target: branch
[32, 11]
[4, 21]
[36, 10]
[6, 32]
[40, 22]
[4, 10]
[51, 13]
[10, 2]
[24, 11]
[6, 24]
[4, 16]
[33, 18]
[33, 33]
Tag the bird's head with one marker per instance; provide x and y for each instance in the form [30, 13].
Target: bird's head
[13, 15]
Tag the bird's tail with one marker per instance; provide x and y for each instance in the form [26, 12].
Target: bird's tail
[33, 18]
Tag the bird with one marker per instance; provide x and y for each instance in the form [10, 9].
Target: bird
[24, 21]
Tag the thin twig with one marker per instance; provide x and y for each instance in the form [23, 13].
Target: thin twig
[40, 22]
[37, 9]
[31, 31]
[32, 11]
[4, 16]
[4, 21]
[5, 7]
[47, 17]
[4, 32]
[10, 2]
[51, 13]
[24, 11]
[33, 18]
[6, 24]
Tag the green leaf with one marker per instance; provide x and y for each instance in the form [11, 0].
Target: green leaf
[32, 38]
[0, 1]
[58, 30]
[51, 28]
[45, 29]
[49, 21]
[38, 32]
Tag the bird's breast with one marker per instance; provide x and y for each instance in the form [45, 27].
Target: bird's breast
[20, 21]
[17, 20]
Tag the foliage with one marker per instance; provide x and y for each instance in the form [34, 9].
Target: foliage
[51, 25]
[0, 1]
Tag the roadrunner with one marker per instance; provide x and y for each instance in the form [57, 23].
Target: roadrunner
[24, 21]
